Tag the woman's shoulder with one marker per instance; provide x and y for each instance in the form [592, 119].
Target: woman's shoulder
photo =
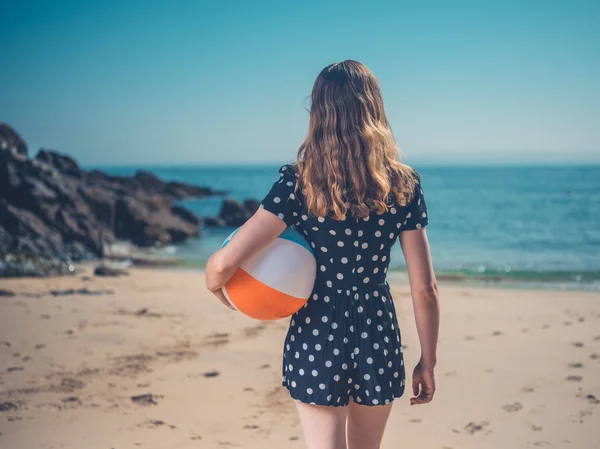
[289, 173]
[289, 169]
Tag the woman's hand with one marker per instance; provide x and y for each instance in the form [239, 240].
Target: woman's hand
[221, 296]
[217, 276]
[423, 384]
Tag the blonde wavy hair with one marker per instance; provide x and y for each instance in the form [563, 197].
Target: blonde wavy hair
[349, 163]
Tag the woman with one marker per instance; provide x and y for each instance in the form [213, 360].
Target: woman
[351, 197]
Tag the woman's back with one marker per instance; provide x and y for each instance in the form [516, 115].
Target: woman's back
[353, 253]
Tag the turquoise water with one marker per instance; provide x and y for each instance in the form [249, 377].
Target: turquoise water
[532, 226]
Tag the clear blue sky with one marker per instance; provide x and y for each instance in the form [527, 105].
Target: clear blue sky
[133, 82]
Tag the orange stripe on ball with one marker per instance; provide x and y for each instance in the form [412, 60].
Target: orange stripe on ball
[258, 300]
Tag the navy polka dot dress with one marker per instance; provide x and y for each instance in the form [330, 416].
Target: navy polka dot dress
[345, 342]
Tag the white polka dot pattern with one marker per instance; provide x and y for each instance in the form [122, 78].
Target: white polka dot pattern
[345, 343]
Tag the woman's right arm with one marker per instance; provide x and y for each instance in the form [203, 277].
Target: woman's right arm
[424, 291]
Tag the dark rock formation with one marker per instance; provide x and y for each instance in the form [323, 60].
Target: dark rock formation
[213, 222]
[251, 206]
[233, 213]
[52, 210]
[11, 141]
[104, 270]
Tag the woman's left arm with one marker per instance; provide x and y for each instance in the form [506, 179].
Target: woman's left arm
[260, 230]
[278, 210]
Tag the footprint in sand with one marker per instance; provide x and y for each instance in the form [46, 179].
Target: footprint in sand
[217, 339]
[8, 406]
[581, 319]
[545, 326]
[469, 338]
[415, 420]
[254, 330]
[577, 344]
[450, 373]
[265, 366]
[293, 438]
[524, 330]
[589, 398]
[475, 427]
[567, 323]
[576, 365]
[527, 390]
[213, 373]
[597, 338]
[511, 408]
[536, 428]
[145, 399]
[581, 415]
[155, 423]
[574, 378]
[496, 333]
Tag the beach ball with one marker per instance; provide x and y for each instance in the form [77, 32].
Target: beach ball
[277, 281]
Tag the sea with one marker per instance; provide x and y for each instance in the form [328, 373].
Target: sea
[507, 226]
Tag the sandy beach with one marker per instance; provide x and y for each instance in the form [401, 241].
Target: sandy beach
[156, 362]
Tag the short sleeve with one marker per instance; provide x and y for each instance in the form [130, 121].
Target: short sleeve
[281, 199]
[416, 211]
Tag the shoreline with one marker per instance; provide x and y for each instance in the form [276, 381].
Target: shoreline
[445, 277]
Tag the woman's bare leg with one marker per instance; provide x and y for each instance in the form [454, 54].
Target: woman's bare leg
[366, 425]
[324, 427]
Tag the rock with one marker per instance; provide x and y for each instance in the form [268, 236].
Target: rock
[5, 293]
[180, 190]
[11, 141]
[251, 206]
[137, 220]
[185, 215]
[104, 270]
[21, 266]
[233, 213]
[52, 210]
[64, 164]
[213, 222]
[149, 182]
